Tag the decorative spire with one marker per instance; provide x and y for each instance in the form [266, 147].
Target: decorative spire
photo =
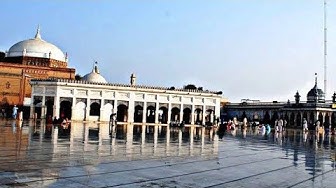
[38, 35]
[315, 78]
[95, 68]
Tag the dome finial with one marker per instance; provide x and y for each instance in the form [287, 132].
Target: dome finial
[95, 68]
[315, 78]
[38, 35]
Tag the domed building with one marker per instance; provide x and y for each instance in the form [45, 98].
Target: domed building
[315, 94]
[94, 99]
[316, 107]
[27, 59]
[94, 76]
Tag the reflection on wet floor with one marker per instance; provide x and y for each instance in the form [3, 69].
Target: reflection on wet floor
[39, 155]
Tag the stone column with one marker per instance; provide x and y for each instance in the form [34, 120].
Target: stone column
[129, 139]
[73, 109]
[115, 107]
[43, 108]
[192, 122]
[295, 118]
[56, 107]
[169, 112]
[179, 142]
[323, 118]
[212, 117]
[217, 111]
[143, 135]
[87, 110]
[203, 114]
[301, 119]
[155, 139]
[157, 113]
[102, 116]
[130, 118]
[168, 137]
[181, 113]
[144, 113]
[32, 111]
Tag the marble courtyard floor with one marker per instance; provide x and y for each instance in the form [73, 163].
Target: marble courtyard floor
[33, 154]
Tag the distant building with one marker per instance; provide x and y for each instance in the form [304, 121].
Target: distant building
[94, 99]
[27, 59]
[315, 108]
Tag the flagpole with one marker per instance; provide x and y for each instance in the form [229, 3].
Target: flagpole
[325, 45]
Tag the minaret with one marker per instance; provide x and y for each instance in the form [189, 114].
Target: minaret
[325, 45]
[133, 79]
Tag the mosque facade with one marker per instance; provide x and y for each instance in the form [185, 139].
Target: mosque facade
[25, 60]
[94, 99]
[316, 107]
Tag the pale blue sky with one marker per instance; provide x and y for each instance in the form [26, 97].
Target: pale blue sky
[257, 49]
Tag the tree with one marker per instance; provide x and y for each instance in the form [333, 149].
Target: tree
[190, 86]
[78, 77]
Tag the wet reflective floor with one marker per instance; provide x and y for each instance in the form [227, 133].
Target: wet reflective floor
[33, 154]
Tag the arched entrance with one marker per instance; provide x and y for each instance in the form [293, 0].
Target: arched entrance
[208, 117]
[286, 117]
[95, 109]
[175, 114]
[187, 116]
[198, 116]
[326, 121]
[320, 118]
[275, 116]
[243, 116]
[292, 119]
[163, 115]
[138, 112]
[298, 120]
[311, 121]
[150, 116]
[267, 118]
[122, 112]
[333, 120]
[65, 109]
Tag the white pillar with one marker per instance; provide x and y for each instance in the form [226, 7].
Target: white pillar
[203, 114]
[87, 109]
[43, 108]
[169, 112]
[144, 112]
[129, 139]
[156, 112]
[32, 111]
[56, 107]
[143, 135]
[73, 109]
[181, 113]
[217, 109]
[155, 139]
[130, 118]
[115, 106]
[192, 122]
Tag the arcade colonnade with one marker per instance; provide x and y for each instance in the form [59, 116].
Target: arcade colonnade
[293, 116]
[84, 101]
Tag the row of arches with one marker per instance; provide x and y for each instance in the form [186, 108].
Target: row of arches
[163, 116]
[141, 115]
[293, 118]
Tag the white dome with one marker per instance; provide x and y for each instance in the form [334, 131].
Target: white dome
[94, 76]
[36, 47]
